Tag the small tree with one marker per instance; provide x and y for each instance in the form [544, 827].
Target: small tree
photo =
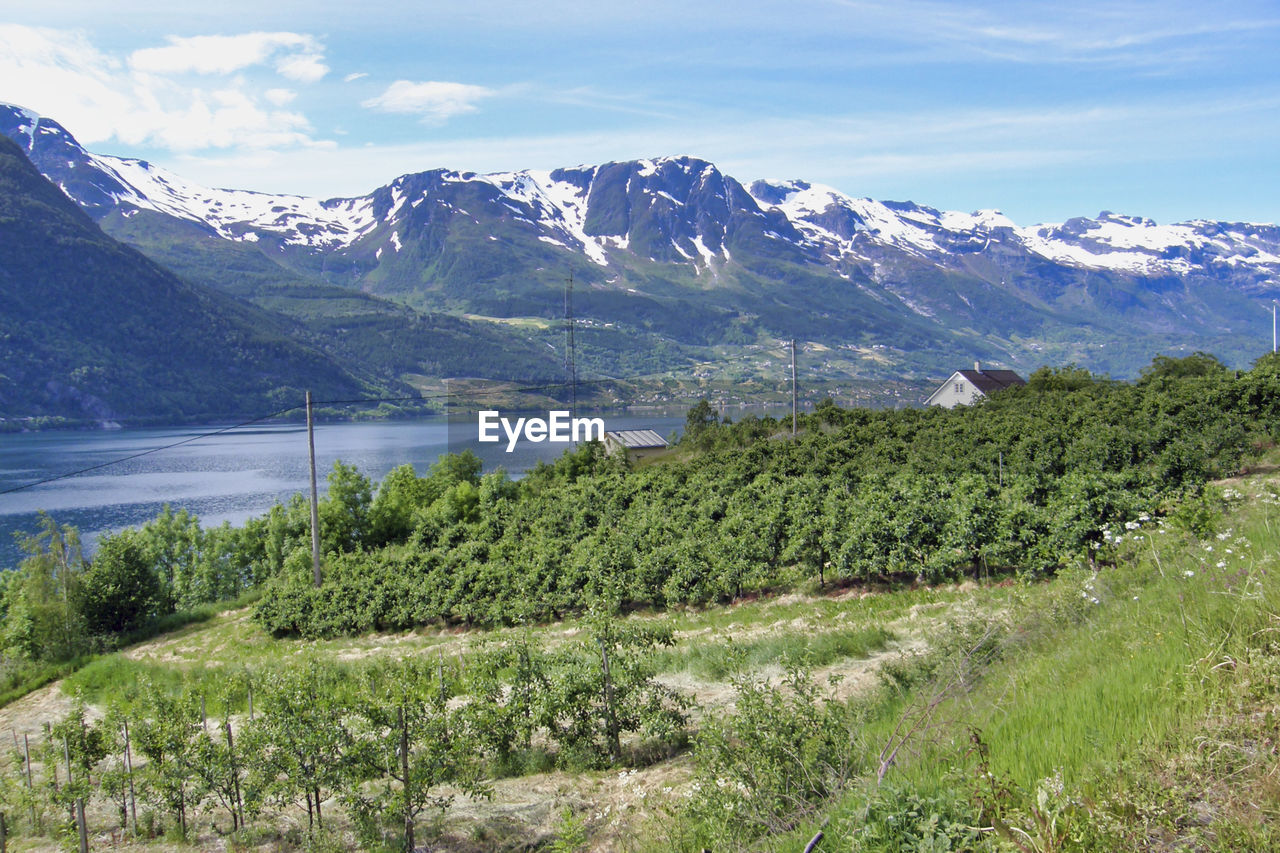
[412, 742]
[43, 620]
[698, 421]
[119, 592]
[604, 687]
[344, 513]
[166, 738]
[304, 736]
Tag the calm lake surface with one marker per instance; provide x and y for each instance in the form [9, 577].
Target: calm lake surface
[228, 477]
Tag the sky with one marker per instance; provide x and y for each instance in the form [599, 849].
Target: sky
[1169, 110]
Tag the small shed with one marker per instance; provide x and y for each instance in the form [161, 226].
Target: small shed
[966, 387]
[634, 443]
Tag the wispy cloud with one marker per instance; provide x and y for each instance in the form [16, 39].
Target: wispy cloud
[433, 100]
[1106, 33]
[296, 56]
[850, 151]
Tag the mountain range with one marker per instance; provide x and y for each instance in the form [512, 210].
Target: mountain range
[676, 267]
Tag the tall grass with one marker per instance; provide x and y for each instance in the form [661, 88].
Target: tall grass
[20, 679]
[1102, 676]
[716, 661]
[1144, 659]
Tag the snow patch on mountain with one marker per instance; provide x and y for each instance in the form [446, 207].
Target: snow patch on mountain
[299, 220]
[808, 205]
[29, 124]
[830, 226]
[561, 207]
[1124, 244]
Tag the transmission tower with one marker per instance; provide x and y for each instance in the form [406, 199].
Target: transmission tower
[570, 352]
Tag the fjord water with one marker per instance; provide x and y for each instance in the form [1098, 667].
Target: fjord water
[232, 476]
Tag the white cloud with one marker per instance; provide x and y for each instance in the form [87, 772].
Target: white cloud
[227, 54]
[355, 76]
[280, 97]
[303, 67]
[147, 101]
[433, 100]
[61, 74]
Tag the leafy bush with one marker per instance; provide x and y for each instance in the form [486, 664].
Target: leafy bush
[785, 750]
[900, 818]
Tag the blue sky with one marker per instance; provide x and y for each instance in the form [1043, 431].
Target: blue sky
[1044, 110]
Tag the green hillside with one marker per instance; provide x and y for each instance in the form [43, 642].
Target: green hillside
[92, 330]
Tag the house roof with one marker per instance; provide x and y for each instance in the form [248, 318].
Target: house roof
[987, 381]
[637, 439]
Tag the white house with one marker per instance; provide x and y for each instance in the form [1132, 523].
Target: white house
[966, 387]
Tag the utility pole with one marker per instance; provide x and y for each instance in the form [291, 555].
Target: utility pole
[315, 498]
[1273, 325]
[570, 353]
[793, 388]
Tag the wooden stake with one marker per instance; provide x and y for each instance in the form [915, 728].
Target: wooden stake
[408, 788]
[128, 766]
[610, 717]
[77, 811]
[26, 751]
[237, 814]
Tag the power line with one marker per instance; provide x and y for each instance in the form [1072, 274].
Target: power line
[146, 452]
[475, 392]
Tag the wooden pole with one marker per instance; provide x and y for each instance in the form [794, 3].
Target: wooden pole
[571, 355]
[26, 751]
[237, 814]
[315, 498]
[128, 766]
[793, 388]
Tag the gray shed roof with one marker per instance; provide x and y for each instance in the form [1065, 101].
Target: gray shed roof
[637, 439]
[987, 381]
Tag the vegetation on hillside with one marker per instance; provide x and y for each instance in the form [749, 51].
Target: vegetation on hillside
[1034, 717]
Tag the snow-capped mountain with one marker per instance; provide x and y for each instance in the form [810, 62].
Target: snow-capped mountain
[678, 247]
[844, 226]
